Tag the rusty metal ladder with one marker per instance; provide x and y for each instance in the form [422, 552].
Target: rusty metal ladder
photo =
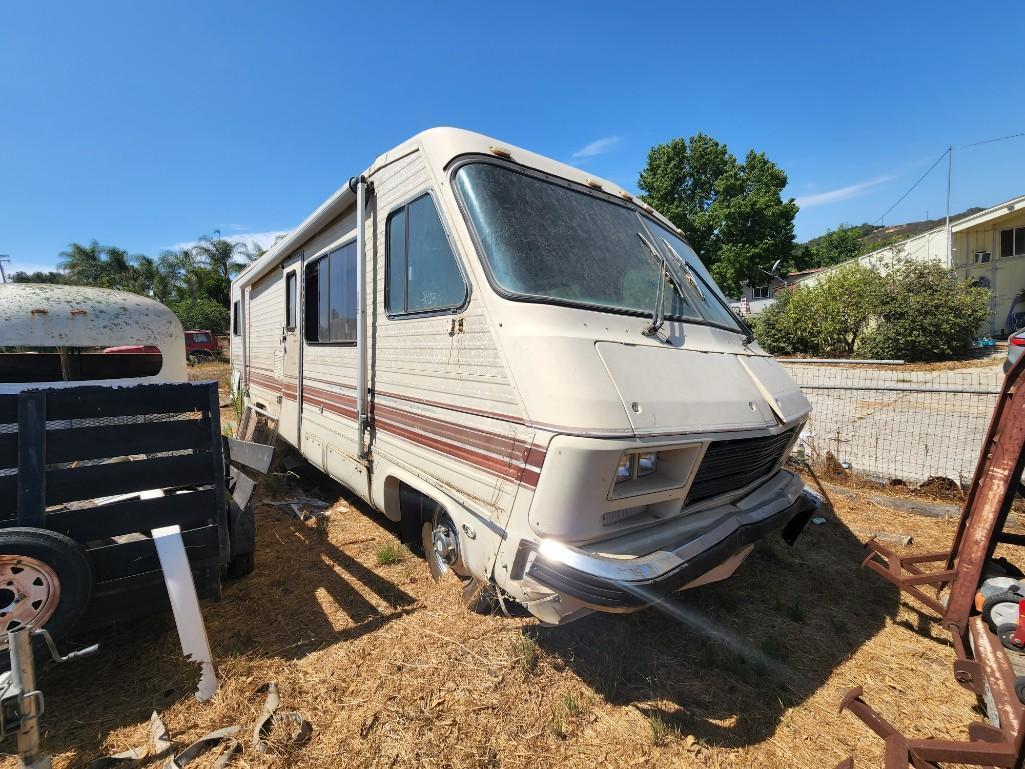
[981, 664]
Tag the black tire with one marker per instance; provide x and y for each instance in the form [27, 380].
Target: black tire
[69, 563]
[1006, 596]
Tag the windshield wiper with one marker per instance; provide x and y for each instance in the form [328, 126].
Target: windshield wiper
[687, 271]
[658, 315]
[748, 332]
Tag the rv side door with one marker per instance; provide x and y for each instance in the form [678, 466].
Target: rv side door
[288, 355]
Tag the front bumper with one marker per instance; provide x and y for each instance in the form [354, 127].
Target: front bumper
[617, 584]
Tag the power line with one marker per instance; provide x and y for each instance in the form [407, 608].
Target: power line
[946, 152]
[912, 187]
[990, 141]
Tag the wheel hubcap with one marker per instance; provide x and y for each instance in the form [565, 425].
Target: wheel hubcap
[29, 593]
[441, 546]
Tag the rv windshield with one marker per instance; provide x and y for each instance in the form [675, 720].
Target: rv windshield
[544, 240]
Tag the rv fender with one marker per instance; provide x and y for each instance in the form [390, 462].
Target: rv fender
[479, 538]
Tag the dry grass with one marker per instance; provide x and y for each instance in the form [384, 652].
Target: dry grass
[392, 672]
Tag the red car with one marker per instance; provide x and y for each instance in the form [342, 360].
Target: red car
[202, 344]
[198, 344]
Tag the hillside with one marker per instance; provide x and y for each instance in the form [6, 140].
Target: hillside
[874, 235]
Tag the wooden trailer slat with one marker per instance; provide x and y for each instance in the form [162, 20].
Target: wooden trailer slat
[127, 558]
[31, 458]
[140, 595]
[97, 402]
[108, 479]
[135, 515]
[8, 450]
[8, 409]
[8, 497]
[77, 443]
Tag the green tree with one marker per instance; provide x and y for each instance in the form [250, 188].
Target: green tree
[732, 213]
[203, 313]
[38, 276]
[101, 266]
[221, 258]
[839, 245]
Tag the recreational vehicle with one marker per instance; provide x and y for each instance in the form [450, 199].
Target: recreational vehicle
[529, 370]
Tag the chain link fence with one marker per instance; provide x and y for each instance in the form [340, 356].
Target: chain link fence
[889, 423]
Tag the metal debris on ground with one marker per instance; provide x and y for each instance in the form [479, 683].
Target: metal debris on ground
[188, 617]
[303, 508]
[884, 536]
[159, 751]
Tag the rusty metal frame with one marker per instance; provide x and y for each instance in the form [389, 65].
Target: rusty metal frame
[981, 664]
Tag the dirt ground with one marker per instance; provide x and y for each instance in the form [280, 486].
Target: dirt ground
[392, 672]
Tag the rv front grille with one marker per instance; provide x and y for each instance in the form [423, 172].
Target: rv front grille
[732, 465]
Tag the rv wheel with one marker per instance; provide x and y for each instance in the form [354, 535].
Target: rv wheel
[45, 581]
[440, 540]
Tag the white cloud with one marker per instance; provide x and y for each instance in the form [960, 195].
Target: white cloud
[262, 239]
[841, 193]
[597, 147]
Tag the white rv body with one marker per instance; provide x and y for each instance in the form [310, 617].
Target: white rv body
[512, 413]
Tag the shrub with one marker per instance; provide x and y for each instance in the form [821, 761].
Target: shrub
[204, 313]
[826, 318]
[918, 311]
[926, 314]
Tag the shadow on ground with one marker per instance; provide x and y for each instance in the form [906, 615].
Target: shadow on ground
[306, 593]
[725, 661]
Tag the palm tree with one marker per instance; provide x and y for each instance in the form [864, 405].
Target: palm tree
[220, 254]
[83, 264]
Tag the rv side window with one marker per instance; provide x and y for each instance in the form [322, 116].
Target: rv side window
[331, 297]
[422, 272]
[290, 300]
[234, 319]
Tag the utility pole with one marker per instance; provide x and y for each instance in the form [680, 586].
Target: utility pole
[950, 163]
[3, 273]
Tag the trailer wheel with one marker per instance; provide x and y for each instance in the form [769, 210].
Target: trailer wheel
[45, 581]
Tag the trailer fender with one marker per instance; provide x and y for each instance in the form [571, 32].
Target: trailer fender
[479, 538]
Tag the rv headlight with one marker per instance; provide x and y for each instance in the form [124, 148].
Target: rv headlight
[633, 466]
[647, 463]
[625, 471]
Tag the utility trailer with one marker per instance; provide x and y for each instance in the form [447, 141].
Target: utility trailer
[99, 449]
[529, 370]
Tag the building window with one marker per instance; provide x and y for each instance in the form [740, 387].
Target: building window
[982, 257]
[331, 297]
[290, 295]
[236, 326]
[760, 292]
[422, 272]
[1012, 242]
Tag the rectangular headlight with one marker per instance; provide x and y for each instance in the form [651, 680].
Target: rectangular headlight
[633, 466]
[625, 471]
[647, 463]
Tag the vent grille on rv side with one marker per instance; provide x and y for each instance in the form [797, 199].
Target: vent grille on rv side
[731, 465]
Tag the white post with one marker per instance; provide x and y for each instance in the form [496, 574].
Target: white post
[361, 318]
[950, 250]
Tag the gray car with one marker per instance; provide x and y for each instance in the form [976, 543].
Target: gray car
[1015, 347]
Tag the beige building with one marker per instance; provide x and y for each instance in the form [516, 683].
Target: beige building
[988, 246]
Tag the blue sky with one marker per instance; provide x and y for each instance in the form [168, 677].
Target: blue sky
[145, 124]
